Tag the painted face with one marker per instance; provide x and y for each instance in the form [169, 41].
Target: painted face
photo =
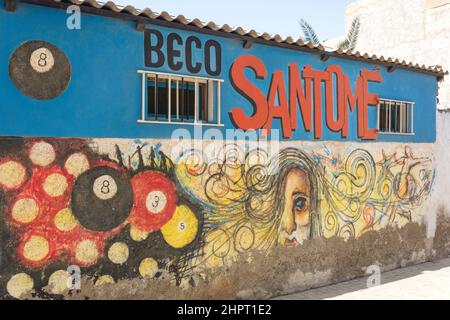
[295, 221]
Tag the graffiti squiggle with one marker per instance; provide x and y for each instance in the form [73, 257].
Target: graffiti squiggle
[126, 210]
[356, 196]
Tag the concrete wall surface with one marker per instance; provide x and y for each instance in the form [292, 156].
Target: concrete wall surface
[201, 219]
[417, 31]
[413, 30]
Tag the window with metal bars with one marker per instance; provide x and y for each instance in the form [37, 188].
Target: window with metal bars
[173, 98]
[395, 117]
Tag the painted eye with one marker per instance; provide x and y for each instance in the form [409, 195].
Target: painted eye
[300, 204]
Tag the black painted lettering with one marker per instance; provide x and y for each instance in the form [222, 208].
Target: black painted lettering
[173, 54]
[218, 54]
[189, 42]
[151, 48]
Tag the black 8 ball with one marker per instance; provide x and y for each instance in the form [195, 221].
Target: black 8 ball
[102, 198]
[40, 70]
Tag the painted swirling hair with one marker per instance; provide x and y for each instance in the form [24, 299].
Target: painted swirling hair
[255, 196]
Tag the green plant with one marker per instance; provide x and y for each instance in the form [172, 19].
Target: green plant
[309, 34]
[349, 43]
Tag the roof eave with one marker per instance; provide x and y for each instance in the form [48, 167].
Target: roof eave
[147, 16]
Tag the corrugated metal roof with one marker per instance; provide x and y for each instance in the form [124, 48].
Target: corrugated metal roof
[180, 19]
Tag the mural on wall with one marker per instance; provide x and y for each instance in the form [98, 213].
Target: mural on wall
[123, 209]
[258, 202]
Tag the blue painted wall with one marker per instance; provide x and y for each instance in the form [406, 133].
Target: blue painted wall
[103, 98]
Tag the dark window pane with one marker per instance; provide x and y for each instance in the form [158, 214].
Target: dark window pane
[384, 117]
[394, 118]
[189, 110]
[173, 100]
[187, 103]
[183, 89]
[158, 100]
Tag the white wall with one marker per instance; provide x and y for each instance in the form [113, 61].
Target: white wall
[440, 197]
[417, 31]
[413, 30]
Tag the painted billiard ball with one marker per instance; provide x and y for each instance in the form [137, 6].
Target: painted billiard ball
[102, 198]
[40, 70]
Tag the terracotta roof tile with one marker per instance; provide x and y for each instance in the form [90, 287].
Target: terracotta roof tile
[148, 13]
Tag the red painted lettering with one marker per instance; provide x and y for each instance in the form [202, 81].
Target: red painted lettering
[303, 97]
[250, 91]
[281, 111]
[339, 99]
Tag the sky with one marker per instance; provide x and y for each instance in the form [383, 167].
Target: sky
[282, 16]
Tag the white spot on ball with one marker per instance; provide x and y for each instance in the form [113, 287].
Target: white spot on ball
[105, 187]
[182, 226]
[42, 154]
[156, 202]
[42, 60]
